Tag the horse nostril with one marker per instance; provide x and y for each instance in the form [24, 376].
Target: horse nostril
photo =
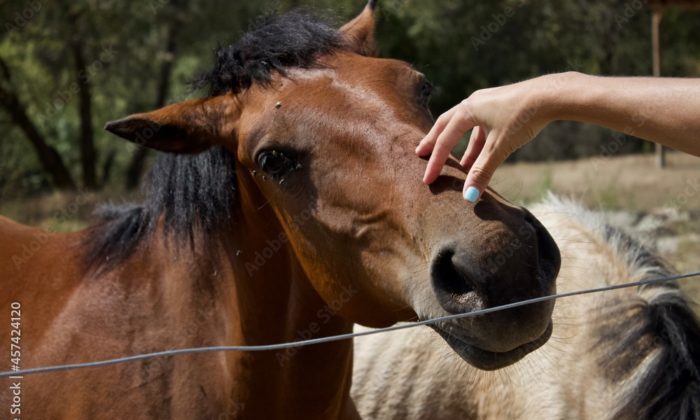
[519, 262]
[455, 284]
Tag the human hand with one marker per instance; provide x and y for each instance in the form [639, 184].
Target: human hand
[502, 119]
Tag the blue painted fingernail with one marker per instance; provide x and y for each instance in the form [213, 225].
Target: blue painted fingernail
[471, 194]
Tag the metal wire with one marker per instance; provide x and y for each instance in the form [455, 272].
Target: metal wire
[340, 337]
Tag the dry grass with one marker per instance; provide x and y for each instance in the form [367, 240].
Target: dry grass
[629, 183]
[61, 212]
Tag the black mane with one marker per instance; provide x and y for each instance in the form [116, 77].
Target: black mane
[665, 325]
[295, 39]
[198, 192]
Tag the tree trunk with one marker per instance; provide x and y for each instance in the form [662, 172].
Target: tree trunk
[88, 154]
[49, 158]
[107, 167]
[138, 160]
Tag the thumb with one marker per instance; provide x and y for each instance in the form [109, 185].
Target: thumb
[481, 172]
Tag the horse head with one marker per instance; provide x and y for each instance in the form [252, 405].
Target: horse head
[323, 133]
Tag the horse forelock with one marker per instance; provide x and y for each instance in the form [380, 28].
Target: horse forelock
[295, 39]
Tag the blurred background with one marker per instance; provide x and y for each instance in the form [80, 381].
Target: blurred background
[67, 67]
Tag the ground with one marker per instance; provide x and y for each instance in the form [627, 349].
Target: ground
[661, 206]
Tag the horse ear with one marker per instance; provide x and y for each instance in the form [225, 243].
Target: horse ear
[186, 127]
[359, 32]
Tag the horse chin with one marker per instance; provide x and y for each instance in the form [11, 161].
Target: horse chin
[489, 360]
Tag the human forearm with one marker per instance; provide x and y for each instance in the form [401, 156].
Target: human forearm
[502, 119]
[663, 110]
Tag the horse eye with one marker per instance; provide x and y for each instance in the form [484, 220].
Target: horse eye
[276, 164]
[426, 90]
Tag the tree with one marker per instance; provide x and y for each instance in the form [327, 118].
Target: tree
[48, 156]
[88, 154]
[138, 161]
[70, 66]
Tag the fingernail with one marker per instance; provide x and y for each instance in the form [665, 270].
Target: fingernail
[471, 194]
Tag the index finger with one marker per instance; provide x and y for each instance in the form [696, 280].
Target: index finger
[459, 124]
[428, 143]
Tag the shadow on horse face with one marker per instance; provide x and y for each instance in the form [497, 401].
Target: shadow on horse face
[330, 149]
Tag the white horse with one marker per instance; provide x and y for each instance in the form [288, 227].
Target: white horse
[631, 353]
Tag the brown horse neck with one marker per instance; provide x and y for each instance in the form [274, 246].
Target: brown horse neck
[271, 301]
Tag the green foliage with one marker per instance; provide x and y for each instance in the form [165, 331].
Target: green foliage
[461, 45]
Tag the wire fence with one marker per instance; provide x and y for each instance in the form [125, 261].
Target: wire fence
[340, 337]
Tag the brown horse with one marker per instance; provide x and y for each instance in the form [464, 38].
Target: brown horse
[289, 205]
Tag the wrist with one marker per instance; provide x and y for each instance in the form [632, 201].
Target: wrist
[553, 94]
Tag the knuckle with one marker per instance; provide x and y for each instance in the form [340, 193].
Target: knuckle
[465, 113]
[465, 106]
[479, 174]
[476, 95]
[440, 146]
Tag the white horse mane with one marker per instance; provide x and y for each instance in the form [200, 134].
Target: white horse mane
[638, 256]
